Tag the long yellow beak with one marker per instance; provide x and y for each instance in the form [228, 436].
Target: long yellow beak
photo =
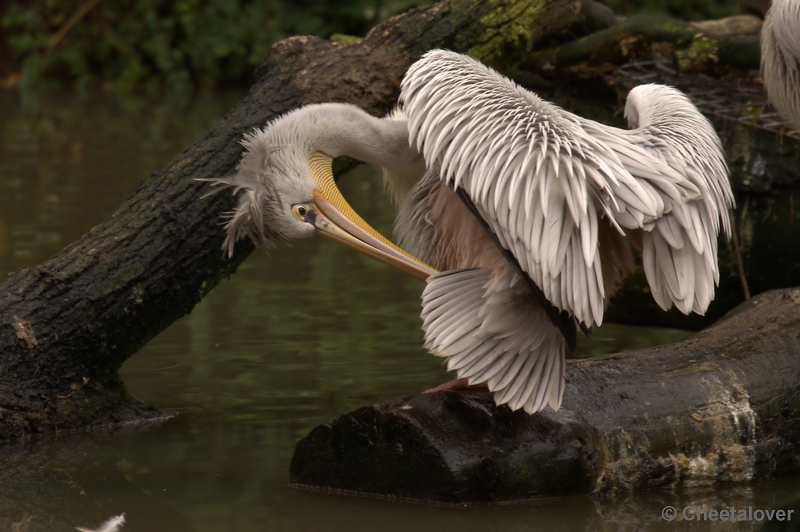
[336, 220]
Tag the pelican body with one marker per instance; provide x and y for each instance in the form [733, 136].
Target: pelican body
[520, 216]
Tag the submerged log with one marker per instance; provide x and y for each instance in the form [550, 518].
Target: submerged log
[722, 406]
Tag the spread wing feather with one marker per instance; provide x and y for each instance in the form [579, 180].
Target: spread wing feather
[550, 187]
[492, 330]
[536, 176]
[680, 248]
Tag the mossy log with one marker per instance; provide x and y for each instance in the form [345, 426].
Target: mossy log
[722, 406]
[68, 324]
[641, 35]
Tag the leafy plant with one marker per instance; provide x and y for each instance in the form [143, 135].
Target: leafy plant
[178, 43]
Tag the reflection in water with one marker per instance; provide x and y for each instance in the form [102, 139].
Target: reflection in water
[295, 337]
[66, 163]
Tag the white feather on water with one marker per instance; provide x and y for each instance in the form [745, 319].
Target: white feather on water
[113, 524]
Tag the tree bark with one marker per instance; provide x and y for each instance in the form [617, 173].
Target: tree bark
[722, 406]
[67, 325]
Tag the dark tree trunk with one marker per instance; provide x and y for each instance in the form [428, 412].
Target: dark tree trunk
[67, 325]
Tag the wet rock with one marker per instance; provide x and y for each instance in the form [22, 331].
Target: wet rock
[722, 406]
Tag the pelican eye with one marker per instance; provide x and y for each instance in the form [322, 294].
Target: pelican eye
[302, 212]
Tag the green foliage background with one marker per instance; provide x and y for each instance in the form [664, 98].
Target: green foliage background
[182, 44]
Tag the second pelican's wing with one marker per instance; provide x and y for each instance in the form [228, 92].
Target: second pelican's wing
[780, 58]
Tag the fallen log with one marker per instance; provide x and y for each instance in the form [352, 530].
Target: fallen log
[639, 36]
[722, 406]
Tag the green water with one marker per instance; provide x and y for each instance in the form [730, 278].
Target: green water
[294, 338]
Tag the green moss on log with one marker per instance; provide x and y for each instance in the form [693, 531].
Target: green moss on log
[506, 25]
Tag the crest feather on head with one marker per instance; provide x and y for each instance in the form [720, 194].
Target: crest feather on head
[254, 189]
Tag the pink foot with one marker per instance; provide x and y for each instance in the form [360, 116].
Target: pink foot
[458, 384]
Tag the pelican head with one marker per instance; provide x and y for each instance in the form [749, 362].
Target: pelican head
[285, 188]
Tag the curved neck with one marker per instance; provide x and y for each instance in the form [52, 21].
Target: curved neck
[338, 129]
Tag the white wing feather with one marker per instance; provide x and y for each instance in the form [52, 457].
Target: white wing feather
[492, 330]
[679, 249]
[113, 524]
[551, 186]
[535, 175]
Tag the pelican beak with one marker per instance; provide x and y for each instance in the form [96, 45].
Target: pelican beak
[334, 219]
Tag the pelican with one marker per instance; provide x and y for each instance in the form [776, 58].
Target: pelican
[780, 58]
[520, 216]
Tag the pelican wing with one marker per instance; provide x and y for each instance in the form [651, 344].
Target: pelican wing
[784, 19]
[492, 330]
[679, 249]
[539, 181]
[780, 58]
